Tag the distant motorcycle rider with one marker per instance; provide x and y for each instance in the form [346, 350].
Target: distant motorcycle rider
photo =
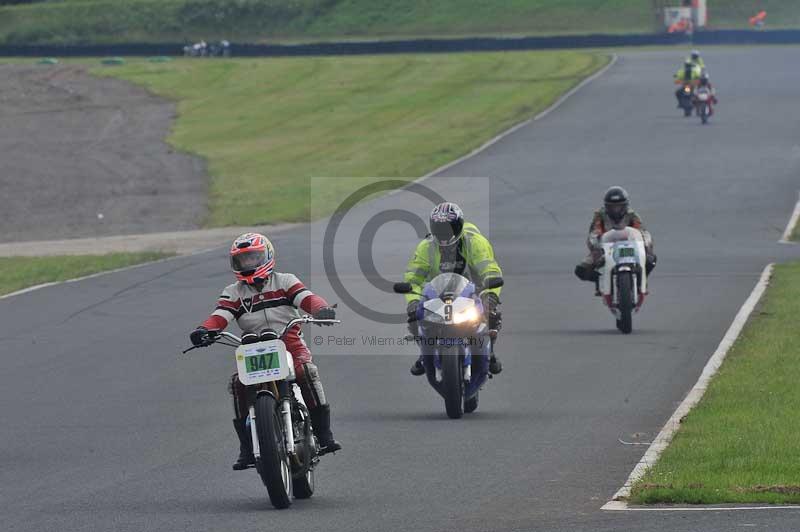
[695, 58]
[688, 74]
[615, 214]
[454, 246]
[263, 299]
[706, 82]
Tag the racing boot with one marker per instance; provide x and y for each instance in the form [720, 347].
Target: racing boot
[495, 366]
[246, 458]
[418, 369]
[321, 423]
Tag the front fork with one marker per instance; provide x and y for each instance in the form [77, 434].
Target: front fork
[286, 418]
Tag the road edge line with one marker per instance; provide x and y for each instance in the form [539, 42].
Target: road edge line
[105, 272]
[552, 107]
[786, 238]
[661, 442]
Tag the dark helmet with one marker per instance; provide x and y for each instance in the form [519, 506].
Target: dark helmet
[447, 223]
[704, 78]
[616, 202]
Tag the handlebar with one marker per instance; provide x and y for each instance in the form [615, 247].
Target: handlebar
[214, 337]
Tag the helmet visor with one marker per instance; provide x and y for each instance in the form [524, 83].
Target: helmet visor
[616, 211]
[248, 260]
[446, 233]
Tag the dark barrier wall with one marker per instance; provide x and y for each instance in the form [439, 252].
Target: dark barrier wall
[418, 45]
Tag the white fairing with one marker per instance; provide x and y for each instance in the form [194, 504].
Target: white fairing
[614, 242]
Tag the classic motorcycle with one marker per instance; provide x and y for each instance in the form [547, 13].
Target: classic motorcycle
[455, 339]
[623, 275]
[685, 99]
[702, 100]
[284, 445]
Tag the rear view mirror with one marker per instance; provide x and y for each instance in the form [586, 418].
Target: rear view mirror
[403, 288]
[492, 282]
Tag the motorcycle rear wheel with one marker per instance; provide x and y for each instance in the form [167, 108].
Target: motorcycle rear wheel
[273, 463]
[303, 486]
[452, 384]
[625, 302]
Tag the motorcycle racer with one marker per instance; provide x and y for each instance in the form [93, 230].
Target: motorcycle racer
[615, 214]
[688, 74]
[706, 82]
[263, 299]
[695, 58]
[454, 246]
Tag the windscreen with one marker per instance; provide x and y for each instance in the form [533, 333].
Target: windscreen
[617, 235]
[449, 283]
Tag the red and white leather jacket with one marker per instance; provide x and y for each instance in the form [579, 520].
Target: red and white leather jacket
[271, 308]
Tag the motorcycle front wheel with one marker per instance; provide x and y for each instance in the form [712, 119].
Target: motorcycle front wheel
[625, 302]
[452, 385]
[273, 465]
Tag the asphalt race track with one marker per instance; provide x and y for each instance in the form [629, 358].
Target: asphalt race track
[105, 427]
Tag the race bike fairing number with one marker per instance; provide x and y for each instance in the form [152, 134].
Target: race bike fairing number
[262, 362]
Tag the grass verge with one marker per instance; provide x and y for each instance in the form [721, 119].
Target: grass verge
[740, 444]
[17, 273]
[266, 126]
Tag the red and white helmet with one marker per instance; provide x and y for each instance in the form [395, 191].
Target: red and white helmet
[252, 258]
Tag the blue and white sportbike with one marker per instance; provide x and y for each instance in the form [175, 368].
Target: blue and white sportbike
[454, 338]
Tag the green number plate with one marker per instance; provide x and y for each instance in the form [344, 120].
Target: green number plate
[262, 362]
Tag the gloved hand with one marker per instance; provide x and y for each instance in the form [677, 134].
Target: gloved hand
[411, 310]
[493, 316]
[490, 301]
[198, 337]
[325, 313]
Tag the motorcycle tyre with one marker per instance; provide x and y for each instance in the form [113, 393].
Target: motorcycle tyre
[625, 305]
[303, 487]
[452, 384]
[273, 465]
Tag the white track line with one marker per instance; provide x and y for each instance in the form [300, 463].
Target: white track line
[618, 502]
[98, 274]
[787, 234]
[623, 506]
[494, 140]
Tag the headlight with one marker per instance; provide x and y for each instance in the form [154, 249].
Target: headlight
[468, 315]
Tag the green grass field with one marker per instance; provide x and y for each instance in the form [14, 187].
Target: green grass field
[17, 273]
[93, 21]
[266, 126]
[740, 444]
